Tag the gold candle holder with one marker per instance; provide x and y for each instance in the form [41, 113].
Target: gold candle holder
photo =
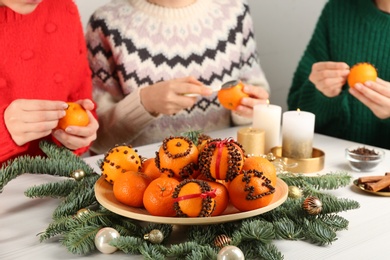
[304, 165]
[252, 140]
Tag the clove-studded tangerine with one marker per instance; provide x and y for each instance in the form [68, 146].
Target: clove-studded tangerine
[177, 157]
[194, 198]
[119, 159]
[221, 159]
[250, 190]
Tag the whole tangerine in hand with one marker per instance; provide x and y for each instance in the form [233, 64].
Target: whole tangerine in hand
[75, 115]
[230, 98]
[362, 72]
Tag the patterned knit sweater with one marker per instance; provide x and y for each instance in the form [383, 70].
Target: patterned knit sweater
[350, 31]
[133, 44]
[42, 56]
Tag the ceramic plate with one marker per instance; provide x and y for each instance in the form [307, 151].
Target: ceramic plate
[379, 193]
[105, 196]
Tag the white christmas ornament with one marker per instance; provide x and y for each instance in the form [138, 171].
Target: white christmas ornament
[230, 253]
[103, 238]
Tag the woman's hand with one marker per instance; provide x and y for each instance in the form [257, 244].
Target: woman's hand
[169, 97]
[375, 95]
[329, 77]
[257, 95]
[28, 120]
[75, 137]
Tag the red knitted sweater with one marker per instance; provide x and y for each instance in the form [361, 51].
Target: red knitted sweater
[42, 56]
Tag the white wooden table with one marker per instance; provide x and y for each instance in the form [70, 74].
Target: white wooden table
[367, 237]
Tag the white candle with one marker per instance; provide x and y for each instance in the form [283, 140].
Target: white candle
[267, 117]
[297, 134]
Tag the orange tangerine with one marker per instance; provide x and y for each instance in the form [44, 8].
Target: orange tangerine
[129, 188]
[177, 156]
[221, 198]
[75, 115]
[230, 98]
[120, 159]
[194, 198]
[250, 190]
[150, 169]
[362, 72]
[158, 200]
[221, 159]
[262, 165]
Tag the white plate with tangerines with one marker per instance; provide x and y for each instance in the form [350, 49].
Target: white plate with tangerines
[188, 184]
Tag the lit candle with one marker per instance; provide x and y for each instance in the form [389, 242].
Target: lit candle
[297, 134]
[267, 117]
[252, 140]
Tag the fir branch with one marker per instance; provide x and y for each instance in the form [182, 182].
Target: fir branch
[150, 252]
[60, 226]
[263, 251]
[81, 240]
[257, 230]
[318, 232]
[128, 244]
[205, 252]
[60, 162]
[329, 181]
[80, 197]
[335, 221]
[52, 189]
[181, 250]
[332, 204]
[286, 228]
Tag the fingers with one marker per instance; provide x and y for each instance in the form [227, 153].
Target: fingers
[75, 137]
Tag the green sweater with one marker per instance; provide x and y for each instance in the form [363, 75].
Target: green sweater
[349, 31]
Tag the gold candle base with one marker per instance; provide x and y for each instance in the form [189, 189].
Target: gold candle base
[304, 165]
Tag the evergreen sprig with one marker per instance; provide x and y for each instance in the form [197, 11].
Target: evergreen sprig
[253, 235]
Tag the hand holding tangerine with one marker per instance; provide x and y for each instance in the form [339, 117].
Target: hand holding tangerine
[75, 115]
[230, 97]
[362, 72]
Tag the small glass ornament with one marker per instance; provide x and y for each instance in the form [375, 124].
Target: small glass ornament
[82, 212]
[294, 192]
[78, 175]
[222, 240]
[230, 253]
[155, 236]
[312, 205]
[103, 239]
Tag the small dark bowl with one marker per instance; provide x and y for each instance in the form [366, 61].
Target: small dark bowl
[364, 162]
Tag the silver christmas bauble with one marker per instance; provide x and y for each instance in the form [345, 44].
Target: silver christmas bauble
[103, 238]
[312, 205]
[230, 253]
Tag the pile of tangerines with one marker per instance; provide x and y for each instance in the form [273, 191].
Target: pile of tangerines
[185, 179]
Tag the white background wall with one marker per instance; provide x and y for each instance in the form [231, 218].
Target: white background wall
[282, 28]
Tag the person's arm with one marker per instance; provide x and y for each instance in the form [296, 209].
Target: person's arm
[251, 72]
[121, 116]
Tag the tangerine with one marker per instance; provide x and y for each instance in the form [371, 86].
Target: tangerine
[150, 169]
[157, 199]
[221, 159]
[177, 156]
[230, 98]
[75, 115]
[120, 159]
[362, 72]
[262, 165]
[129, 188]
[250, 190]
[221, 198]
[194, 198]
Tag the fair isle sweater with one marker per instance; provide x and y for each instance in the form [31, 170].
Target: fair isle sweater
[133, 44]
[350, 31]
[43, 55]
